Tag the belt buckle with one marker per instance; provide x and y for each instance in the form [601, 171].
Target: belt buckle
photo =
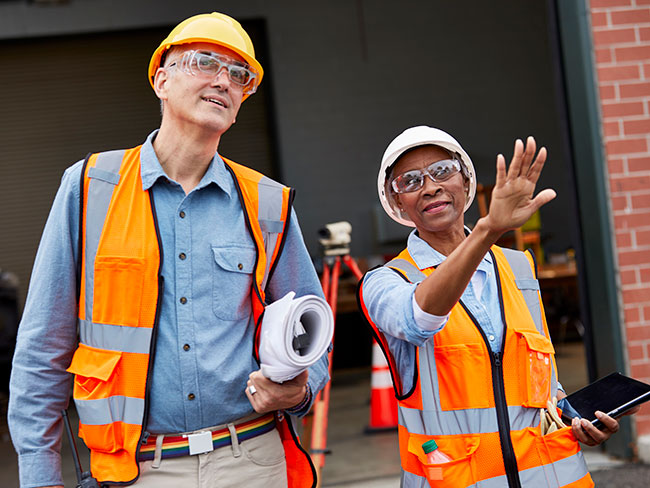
[200, 442]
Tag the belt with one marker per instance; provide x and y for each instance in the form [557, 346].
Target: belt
[178, 445]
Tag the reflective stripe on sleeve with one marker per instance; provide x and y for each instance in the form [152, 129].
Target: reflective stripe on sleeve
[115, 337]
[112, 409]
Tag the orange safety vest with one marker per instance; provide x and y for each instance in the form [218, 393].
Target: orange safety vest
[119, 302]
[482, 408]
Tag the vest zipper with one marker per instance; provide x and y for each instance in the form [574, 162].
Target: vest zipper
[503, 420]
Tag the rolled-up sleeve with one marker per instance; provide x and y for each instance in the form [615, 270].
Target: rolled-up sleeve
[389, 301]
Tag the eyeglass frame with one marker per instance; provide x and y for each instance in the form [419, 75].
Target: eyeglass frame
[425, 172]
[186, 62]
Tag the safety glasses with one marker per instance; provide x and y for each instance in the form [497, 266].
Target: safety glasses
[414, 180]
[199, 63]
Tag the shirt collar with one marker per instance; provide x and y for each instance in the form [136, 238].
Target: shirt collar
[151, 170]
[425, 256]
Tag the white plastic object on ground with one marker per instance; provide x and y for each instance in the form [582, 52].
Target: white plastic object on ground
[286, 319]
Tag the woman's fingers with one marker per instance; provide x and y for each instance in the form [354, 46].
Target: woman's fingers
[529, 154]
[537, 165]
[515, 163]
[501, 171]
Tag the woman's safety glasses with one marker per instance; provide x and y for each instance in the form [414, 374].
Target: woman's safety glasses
[199, 63]
[414, 180]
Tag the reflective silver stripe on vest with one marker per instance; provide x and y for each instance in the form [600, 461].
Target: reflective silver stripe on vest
[100, 192]
[269, 210]
[112, 409]
[412, 272]
[115, 337]
[457, 422]
[556, 475]
[529, 288]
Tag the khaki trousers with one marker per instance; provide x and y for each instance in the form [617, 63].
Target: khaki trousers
[257, 462]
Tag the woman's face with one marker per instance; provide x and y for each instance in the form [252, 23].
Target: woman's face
[439, 205]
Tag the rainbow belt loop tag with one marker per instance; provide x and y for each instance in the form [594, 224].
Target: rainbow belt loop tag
[200, 443]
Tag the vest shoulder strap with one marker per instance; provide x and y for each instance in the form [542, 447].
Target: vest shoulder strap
[527, 283]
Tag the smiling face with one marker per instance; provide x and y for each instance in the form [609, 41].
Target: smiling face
[437, 206]
[207, 102]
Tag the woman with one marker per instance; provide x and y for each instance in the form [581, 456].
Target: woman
[462, 326]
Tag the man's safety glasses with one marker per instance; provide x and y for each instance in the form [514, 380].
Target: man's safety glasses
[414, 180]
[199, 63]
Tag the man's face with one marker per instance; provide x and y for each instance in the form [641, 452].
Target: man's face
[209, 101]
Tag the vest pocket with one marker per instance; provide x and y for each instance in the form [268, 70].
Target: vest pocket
[457, 389]
[232, 279]
[534, 357]
[555, 447]
[118, 289]
[460, 471]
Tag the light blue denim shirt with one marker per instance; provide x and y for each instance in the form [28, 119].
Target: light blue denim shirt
[203, 347]
[389, 301]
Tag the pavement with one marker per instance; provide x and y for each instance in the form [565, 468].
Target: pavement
[359, 459]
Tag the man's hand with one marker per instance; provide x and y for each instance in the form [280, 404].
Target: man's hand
[512, 202]
[270, 396]
[585, 432]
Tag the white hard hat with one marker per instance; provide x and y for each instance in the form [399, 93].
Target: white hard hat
[410, 138]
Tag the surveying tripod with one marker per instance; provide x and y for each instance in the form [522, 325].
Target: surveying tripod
[335, 239]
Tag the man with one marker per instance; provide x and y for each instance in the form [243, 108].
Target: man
[163, 256]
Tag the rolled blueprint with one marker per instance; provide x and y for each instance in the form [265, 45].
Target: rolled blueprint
[295, 333]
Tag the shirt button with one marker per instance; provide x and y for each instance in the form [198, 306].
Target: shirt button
[191, 396]
[186, 347]
[181, 214]
[491, 337]
[182, 256]
[183, 300]
[240, 266]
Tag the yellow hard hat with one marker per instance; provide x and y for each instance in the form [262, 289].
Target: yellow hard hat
[213, 28]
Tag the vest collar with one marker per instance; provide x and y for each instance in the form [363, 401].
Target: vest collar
[425, 256]
[151, 170]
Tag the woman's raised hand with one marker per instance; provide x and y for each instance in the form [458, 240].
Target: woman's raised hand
[512, 202]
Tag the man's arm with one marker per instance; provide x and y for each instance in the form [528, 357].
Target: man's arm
[294, 272]
[47, 337]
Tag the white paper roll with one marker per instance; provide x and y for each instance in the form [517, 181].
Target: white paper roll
[286, 319]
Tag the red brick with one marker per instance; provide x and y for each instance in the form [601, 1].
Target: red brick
[599, 19]
[632, 53]
[609, 3]
[643, 2]
[632, 16]
[644, 275]
[623, 239]
[644, 34]
[615, 166]
[612, 129]
[634, 90]
[638, 164]
[618, 73]
[631, 314]
[603, 55]
[627, 146]
[640, 371]
[619, 203]
[607, 92]
[639, 295]
[641, 202]
[636, 126]
[607, 37]
[628, 277]
[636, 352]
[642, 423]
[629, 183]
[638, 332]
[623, 109]
[632, 221]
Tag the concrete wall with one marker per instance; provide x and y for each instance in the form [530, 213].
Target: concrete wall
[621, 33]
[349, 76]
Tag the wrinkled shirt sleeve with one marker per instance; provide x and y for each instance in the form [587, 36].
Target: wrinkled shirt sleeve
[47, 338]
[295, 272]
[389, 301]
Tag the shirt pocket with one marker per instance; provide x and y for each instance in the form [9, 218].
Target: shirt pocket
[232, 279]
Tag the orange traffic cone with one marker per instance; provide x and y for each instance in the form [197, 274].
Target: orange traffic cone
[383, 405]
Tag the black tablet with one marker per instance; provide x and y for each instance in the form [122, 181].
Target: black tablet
[614, 394]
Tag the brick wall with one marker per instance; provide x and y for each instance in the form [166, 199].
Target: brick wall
[621, 35]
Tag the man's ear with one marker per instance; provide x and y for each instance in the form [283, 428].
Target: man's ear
[160, 83]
